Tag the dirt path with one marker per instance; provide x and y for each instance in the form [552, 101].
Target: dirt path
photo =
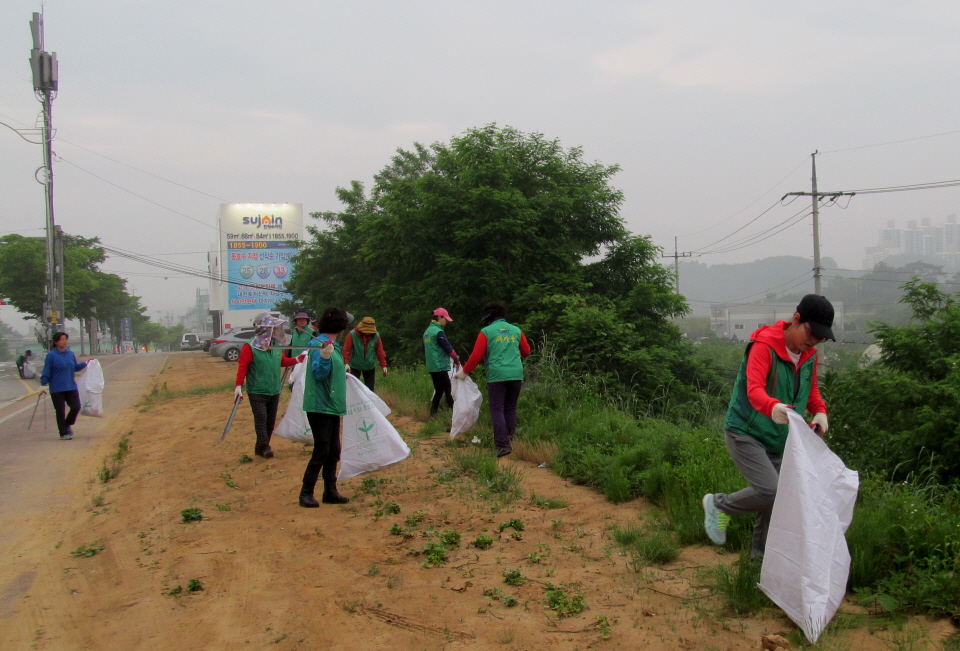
[278, 576]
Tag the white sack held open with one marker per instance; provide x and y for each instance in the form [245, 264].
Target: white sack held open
[806, 562]
[91, 385]
[370, 442]
[294, 425]
[29, 371]
[466, 405]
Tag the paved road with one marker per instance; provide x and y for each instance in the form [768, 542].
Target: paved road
[35, 463]
[11, 386]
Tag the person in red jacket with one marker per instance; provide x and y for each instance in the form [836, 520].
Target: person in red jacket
[363, 346]
[260, 364]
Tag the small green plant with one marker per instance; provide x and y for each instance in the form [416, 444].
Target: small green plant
[373, 570]
[514, 578]
[194, 585]
[483, 542]
[244, 459]
[415, 518]
[175, 591]
[547, 502]
[228, 479]
[97, 501]
[535, 557]
[86, 551]
[370, 485]
[603, 625]
[223, 507]
[562, 602]
[191, 515]
[390, 508]
[122, 448]
[106, 473]
[509, 601]
[450, 537]
[515, 523]
[739, 585]
[493, 593]
[397, 530]
[435, 553]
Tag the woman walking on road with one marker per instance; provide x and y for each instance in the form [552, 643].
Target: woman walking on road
[362, 348]
[259, 367]
[58, 370]
[502, 347]
[439, 352]
[325, 401]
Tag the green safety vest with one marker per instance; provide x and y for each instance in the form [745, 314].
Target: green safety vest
[263, 374]
[363, 358]
[502, 360]
[786, 383]
[437, 358]
[329, 395]
[298, 338]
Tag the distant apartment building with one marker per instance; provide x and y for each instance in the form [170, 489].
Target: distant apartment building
[729, 320]
[926, 242]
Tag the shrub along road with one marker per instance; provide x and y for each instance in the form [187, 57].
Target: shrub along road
[168, 538]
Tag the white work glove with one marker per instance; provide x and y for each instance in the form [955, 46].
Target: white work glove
[384, 371]
[460, 375]
[821, 420]
[327, 350]
[779, 414]
[238, 392]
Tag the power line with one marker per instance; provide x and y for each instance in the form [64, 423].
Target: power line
[764, 291]
[892, 142]
[756, 238]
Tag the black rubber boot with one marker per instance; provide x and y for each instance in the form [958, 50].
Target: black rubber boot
[330, 494]
[307, 500]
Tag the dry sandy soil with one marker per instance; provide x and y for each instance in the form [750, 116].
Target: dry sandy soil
[277, 576]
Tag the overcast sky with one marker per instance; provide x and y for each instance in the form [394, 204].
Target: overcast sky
[712, 110]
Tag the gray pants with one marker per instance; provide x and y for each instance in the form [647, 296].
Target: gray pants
[762, 469]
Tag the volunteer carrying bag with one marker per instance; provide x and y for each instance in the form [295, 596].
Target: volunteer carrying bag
[29, 371]
[90, 386]
[466, 405]
[370, 442]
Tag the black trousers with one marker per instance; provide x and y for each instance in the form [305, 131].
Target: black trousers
[326, 450]
[62, 399]
[369, 376]
[264, 409]
[441, 388]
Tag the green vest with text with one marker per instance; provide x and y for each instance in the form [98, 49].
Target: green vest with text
[329, 395]
[363, 358]
[786, 383]
[502, 360]
[263, 374]
[437, 358]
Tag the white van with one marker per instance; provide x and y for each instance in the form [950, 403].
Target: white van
[191, 341]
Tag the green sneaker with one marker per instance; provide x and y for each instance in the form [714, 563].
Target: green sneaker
[715, 521]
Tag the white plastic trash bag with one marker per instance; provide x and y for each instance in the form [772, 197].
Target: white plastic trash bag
[294, 425]
[466, 405]
[370, 442]
[29, 371]
[91, 385]
[806, 561]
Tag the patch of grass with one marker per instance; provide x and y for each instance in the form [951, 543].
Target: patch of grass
[371, 485]
[223, 507]
[509, 601]
[108, 472]
[514, 578]
[515, 523]
[97, 500]
[739, 585]
[537, 452]
[547, 502]
[373, 570]
[646, 546]
[565, 600]
[493, 593]
[391, 508]
[502, 481]
[175, 591]
[435, 553]
[86, 551]
[122, 448]
[415, 518]
[244, 459]
[397, 530]
[194, 585]
[228, 479]
[483, 542]
[191, 515]
[161, 393]
[450, 537]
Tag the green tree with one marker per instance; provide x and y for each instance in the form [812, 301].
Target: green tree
[902, 414]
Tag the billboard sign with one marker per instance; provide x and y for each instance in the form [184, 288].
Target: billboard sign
[257, 242]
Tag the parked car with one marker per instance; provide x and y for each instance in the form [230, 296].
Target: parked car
[191, 341]
[229, 343]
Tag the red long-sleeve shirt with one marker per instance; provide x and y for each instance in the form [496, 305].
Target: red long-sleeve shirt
[365, 338]
[246, 356]
[758, 370]
[480, 349]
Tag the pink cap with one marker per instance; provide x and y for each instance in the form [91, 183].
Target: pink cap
[442, 312]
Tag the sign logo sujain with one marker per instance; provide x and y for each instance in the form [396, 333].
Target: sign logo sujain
[264, 221]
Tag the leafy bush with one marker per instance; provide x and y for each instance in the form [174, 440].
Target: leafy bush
[483, 542]
[514, 578]
[450, 537]
[435, 553]
[87, 551]
[191, 515]
[562, 602]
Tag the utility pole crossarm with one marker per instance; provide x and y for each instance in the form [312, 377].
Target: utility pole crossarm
[676, 261]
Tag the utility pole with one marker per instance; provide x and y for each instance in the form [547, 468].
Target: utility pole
[676, 262]
[45, 84]
[817, 269]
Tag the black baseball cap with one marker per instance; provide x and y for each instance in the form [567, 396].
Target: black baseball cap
[818, 312]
